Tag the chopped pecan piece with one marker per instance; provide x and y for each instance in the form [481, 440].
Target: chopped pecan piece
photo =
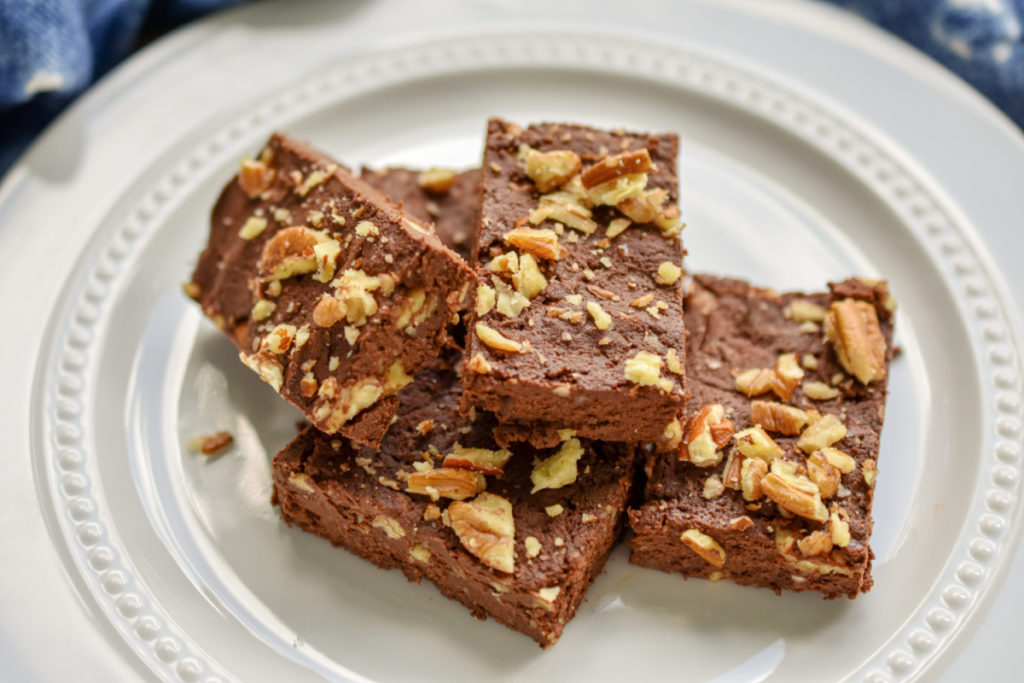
[852, 327]
[486, 528]
[614, 167]
[705, 546]
[444, 482]
[542, 243]
[776, 417]
[704, 434]
[550, 170]
[480, 459]
[794, 492]
[821, 433]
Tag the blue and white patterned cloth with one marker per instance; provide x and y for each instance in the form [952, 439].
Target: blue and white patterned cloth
[52, 50]
[981, 40]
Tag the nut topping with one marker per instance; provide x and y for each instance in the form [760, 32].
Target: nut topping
[668, 273]
[644, 368]
[704, 434]
[550, 170]
[486, 528]
[788, 374]
[754, 442]
[289, 253]
[615, 167]
[437, 180]
[819, 391]
[705, 546]
[870, 470]
[479, 365]
[794, 492]
[821, 433]
[479, 459]
[752, 473]
[645, 207]
[802, 311]
[776, 417]
[602, 320]
[254, 177]
[823, 474]
[542, 243]
[815, 543]
[576, 217]
[852, 327]
[755, 381]
[496, 340]
[529, 281]
[559, 469]
[446, 482]
[253, 227]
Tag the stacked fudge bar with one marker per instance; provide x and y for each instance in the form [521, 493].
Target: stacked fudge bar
[333, 296]
[577, 322]
[539, 302]
[517, 534]
[773, 482]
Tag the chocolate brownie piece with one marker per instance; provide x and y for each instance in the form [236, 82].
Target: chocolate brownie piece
[578, 311]
[515, 534]
[449, 200]
[332, 295]
[774, 478]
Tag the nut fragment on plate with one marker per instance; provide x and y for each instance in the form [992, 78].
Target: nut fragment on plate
[486, 528]
[210, 444]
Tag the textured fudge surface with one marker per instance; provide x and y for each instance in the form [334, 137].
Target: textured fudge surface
[738, 529]
[454, 210]
[593, 344]
[332, 295]
[357, 498]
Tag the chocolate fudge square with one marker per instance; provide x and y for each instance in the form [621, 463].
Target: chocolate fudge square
[332, 295]
[577, 321]
[773, 482]
[449, 200]
[517, 535]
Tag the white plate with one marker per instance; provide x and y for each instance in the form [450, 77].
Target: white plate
[186, 561]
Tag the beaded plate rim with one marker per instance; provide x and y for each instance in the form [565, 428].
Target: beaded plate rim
[61, 448]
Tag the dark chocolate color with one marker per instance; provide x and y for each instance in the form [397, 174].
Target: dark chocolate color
[527, 391]
[335, 489]
[454, 213]
[332, 364]
[732, 327]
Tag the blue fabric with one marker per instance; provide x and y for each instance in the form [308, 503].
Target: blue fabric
[51, 50]
[978, 39]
